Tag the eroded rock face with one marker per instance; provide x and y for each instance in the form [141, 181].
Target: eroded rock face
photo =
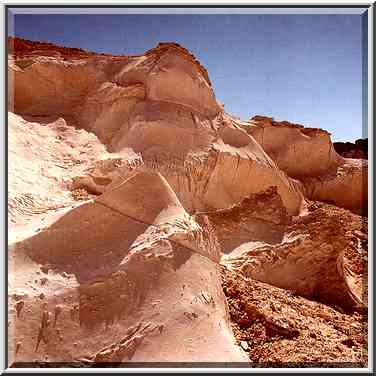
[347, 188]
[133, 196]
[43, 158]
[140, 264]
[300, 152]
[259, 218]
[147, 105]
[309, 259]
[308, 155]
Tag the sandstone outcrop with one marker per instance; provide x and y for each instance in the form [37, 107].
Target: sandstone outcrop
[307, 154]
[136, 202]
[136, 260]
[306, 255]
[136, 106]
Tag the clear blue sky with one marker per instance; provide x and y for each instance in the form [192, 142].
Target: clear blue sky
[301, 68]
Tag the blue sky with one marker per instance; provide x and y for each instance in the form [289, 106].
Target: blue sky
[304, 68]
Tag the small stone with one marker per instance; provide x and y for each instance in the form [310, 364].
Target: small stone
[244, 345]
[42, 296]
[45, 269]
[349, 342]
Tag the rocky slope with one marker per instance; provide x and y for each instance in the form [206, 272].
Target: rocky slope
[137, 204]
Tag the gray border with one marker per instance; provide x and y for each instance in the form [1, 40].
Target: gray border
[286, 9]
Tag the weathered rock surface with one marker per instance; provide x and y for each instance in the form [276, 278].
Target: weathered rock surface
[135, 105]
[347, 188]
[43, 158]
[309, 256]
[138, 260]
[133, 196]
[307, 154]
[281, 329]
[300, 152]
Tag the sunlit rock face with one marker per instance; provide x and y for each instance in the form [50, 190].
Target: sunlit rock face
[131, 190]
[160, 106]
[308, 155]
